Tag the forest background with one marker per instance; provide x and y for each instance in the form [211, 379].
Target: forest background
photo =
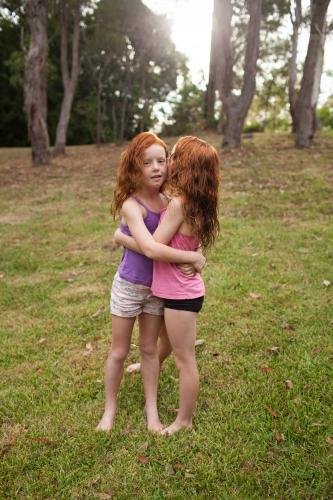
[117, 68]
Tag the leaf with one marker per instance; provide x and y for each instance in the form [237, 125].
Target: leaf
[274, 349]
[45, 440]
[143, 447]
[266, 369]
[88, 350]
[289, 384]
[280, 438]
[178, 465]
[189, 475]
[143, 459]
[199, 342]
[96, 480]
[169, 469]
[287, 326]
[254, 295]
[41, 340]
[270, 410]
[98, 312]
[327, 283]
[329, 440]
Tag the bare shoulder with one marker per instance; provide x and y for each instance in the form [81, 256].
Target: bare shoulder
[176, 204]
[130, 206]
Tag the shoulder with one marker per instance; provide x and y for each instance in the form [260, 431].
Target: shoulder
[130, 206]
[175, 208]
[176, 204]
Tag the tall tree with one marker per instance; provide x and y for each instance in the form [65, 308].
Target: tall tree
[236, 107]
[305, 106]
[35, 81]
[70, 13]
[296, 19]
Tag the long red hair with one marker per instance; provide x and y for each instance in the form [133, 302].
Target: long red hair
[194, 176]
[130, 168]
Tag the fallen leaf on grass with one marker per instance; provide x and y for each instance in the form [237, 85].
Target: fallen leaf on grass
[287, 326]
[189, 475]
[143, 447]
[270, 410]
[143, 459]
[105, 496]
[45, 440]
[199, 342]
[289, 384]
[96, 480]
[329, 440]
[254, 295]
[98, 312]
[126, 431]
[169, 469]
[327, 283]
[266, 369]
[41, 340]
[179, 466]
[173, 410]
[274, 349]
[71, 277]
[280, 438]
[88, 350]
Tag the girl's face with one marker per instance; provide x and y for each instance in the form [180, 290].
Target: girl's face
[154, 168]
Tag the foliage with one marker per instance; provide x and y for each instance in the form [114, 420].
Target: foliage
[325, 114]
[187, 110]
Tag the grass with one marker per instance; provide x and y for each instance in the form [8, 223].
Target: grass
[264, 421]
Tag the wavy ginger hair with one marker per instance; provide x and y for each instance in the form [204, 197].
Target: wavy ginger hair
[130, 168]
[194, 176]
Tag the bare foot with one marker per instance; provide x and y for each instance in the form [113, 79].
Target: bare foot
[106, 422]
[175, 427]
[133, 368]
[153, 420]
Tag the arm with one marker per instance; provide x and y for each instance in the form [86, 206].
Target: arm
[151, 248]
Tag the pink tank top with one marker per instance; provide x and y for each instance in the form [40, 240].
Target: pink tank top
[168, 281]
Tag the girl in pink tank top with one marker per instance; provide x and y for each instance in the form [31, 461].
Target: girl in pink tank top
[190, 221]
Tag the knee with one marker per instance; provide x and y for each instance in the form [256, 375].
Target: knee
[118, 356]
[184, 359]
[148, 349]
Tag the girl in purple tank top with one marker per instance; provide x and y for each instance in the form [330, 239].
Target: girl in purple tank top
[189, 220]
[138, 199]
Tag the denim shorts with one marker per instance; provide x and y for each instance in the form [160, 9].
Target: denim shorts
[130, 299]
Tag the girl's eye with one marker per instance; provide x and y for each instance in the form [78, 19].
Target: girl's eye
[162, 161]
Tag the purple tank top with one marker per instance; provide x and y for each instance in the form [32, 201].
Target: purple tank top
[135, 267]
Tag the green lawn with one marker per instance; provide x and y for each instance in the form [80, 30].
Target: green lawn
[264, 422]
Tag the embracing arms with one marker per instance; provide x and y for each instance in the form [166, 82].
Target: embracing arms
[156, 247]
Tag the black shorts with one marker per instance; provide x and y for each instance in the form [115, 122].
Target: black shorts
[193, 305]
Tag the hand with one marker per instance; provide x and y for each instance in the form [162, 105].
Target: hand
[187, 269]
[117, 235]
[199, 264]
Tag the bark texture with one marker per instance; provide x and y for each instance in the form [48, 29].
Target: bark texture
[35, 82]
[304, 112]
[296, 19]
[69, 78]
[236, 107]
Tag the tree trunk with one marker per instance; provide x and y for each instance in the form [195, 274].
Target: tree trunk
[317, 78]
[236, 108]
[304, 106]
[35, 82]
[69, 82]
[211, 86]
[296, 22]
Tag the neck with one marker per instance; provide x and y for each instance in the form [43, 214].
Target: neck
[148, 193]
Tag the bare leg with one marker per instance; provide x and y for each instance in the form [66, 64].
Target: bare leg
[164, 350]
[149, 329]
[121, 338]
[181, 328]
